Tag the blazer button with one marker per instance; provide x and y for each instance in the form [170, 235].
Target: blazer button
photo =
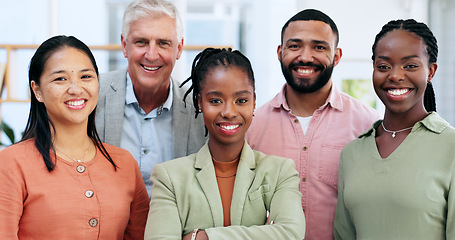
[93, 222]
[89, 193]
[80, 169]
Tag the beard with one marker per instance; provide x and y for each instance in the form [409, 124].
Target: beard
[302, 85]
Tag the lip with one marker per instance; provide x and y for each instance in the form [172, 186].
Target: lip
[229, 128]
[151, 68]
[76, 104]
[305, 72]
[398, 93]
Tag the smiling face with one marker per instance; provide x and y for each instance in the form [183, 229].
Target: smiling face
[68, 87]
[308, 55]
[152, 48]
[401, 72]
[227, 101]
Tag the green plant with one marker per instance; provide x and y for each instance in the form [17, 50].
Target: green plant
[8, 132]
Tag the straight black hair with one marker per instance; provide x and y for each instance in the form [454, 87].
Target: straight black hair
[38, 124]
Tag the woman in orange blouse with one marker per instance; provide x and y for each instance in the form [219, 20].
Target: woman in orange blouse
[60, 181]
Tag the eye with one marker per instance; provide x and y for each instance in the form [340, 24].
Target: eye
[165, 43]
[242, 100]
[215, 101]
[141, 43]
[60, 79]
[320, 47]
[87, 77]
[383, 67]
[411, 66]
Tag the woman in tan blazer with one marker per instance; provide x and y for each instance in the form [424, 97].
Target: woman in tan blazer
[226, 190]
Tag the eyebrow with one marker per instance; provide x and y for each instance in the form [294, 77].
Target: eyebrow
[220, 94]
[297, 40]
[64, 71]
[403, 58]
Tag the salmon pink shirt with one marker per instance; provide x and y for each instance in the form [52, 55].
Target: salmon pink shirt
[276, 131]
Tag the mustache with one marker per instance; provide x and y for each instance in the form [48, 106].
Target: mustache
[308, 64]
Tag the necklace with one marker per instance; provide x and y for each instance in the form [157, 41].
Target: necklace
[394, 132]
[76, 160]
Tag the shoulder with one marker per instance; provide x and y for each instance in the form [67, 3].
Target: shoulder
[179, 170]
[180, 163]
[20, 149]
[23, 154]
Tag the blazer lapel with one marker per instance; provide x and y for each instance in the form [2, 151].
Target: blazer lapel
[180, 123]
[114, 114]
[243, 179]
[207, 180]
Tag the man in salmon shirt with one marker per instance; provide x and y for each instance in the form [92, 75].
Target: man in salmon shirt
[310, 120]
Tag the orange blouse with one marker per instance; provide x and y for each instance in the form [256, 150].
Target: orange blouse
[225, 177]
[87, 200]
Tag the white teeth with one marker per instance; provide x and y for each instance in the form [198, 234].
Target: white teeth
[398, 92]
[75, 103]
[151, 68]
[229, 127]
[305, 71]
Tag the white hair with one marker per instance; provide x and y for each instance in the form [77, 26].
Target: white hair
[142, 8]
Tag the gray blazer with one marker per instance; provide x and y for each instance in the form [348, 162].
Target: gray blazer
[187, 132]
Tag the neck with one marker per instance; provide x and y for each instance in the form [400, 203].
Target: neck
[305, 104]
[396, 121]
[152, 98]
[225, 153]
[66, 137]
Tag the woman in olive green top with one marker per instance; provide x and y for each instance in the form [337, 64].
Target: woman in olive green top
[395, 180]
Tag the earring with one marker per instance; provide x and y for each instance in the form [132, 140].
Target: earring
[200, 111]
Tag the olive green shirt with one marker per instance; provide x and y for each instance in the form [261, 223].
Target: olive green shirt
[404, 196]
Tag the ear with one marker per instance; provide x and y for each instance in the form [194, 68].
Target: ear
[36, 91]
[432, 70]
[123, 40]
[179, 49]
[337, 57]
[278, 51]
[199, 102]
[254, 104]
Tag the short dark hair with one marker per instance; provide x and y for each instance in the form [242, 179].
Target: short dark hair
[312, 15]
[39, 124]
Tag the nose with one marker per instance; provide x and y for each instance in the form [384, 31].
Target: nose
[151, 52]
[305, 55]
[75, 88]
[397, 75]
[229, 110]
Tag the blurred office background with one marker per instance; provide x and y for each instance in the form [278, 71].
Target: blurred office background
[252, 26]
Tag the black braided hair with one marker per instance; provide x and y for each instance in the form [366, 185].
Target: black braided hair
[210, 58]
[422, 31]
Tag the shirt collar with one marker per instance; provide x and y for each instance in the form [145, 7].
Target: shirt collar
[131, 97]
[433, 122]
[333, 100]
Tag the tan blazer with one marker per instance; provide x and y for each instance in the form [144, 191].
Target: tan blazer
[185, 196]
